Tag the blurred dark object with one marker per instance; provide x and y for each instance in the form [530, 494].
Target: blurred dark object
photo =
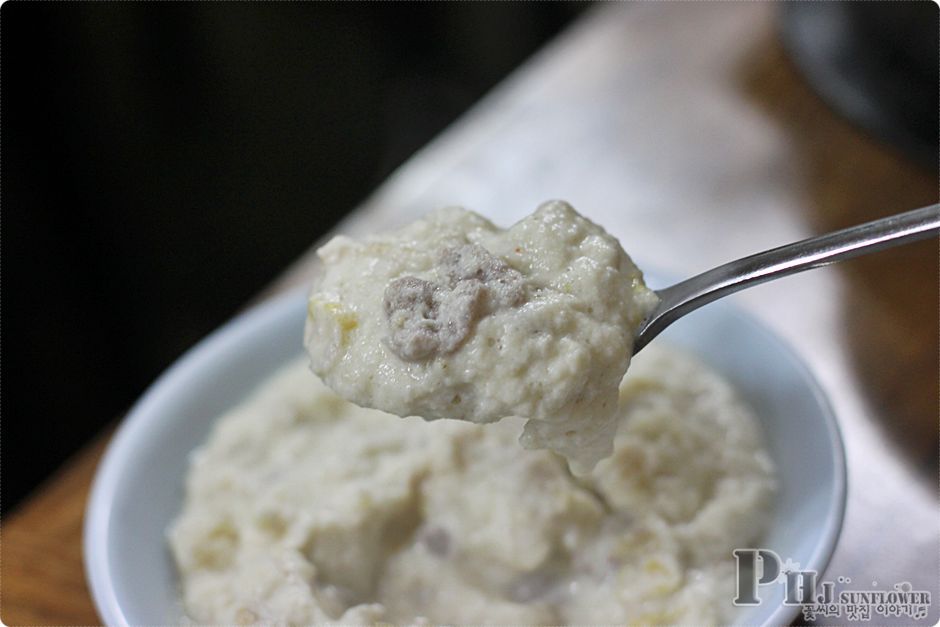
[876, 63]
[162, 162]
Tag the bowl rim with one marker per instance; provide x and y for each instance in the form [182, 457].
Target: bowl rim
[821, 557]
[96, 556]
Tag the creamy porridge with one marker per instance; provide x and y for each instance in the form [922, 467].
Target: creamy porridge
[452, 317]
[304, 508]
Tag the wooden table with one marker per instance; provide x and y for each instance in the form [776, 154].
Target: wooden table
[683, 129]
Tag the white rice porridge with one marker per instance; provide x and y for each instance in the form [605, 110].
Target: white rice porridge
[303, 508]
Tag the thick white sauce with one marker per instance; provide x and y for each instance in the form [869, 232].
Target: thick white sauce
[452, 317]
[303, 508]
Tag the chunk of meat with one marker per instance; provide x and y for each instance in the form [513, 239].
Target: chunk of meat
[426, 319]
[412, 310]
[505, 286]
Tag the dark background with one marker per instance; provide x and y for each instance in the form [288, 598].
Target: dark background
[161, 162]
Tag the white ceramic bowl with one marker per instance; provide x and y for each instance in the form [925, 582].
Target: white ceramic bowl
[139, 485]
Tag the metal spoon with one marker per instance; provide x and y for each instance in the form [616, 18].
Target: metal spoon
[681, 298]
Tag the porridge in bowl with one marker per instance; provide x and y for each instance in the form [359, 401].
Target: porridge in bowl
[623, 507]
[303, 508]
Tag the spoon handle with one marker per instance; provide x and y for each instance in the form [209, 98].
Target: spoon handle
[681, 298]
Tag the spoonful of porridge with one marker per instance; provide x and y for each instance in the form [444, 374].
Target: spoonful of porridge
[453, 317]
